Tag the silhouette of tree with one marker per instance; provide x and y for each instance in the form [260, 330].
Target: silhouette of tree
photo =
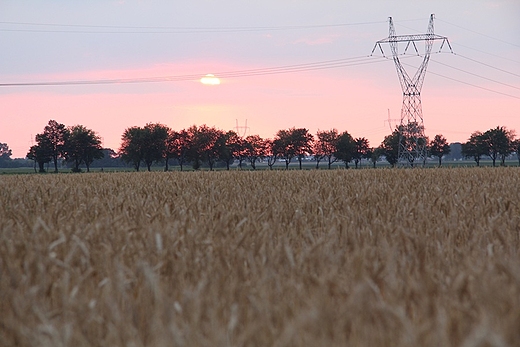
[82, 146]
[390, 147]
[255, 149]
[439, 147]
[325, 146]
[411, 139]
[302, 142]
[229, 146]
[291, 143]
[41, 153]
[204, 147]
[345, 148]
[516, 148]
[271, 153]
[284, 147]
[498, 143]
[132, 144]
[361, 150]
[5, 153]
[56, 134]
[154, 143]
[475, 147]
[374, 154]
[178, 145]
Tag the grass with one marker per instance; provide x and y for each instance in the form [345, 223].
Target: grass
[331, 258]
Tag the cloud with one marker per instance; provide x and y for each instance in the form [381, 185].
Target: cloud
[319, 40]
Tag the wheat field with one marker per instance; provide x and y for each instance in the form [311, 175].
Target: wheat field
[314, 258]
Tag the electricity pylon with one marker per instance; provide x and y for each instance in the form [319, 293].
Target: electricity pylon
[241, 130]
[412, 141]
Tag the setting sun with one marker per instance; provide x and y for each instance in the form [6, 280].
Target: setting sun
[210, 79]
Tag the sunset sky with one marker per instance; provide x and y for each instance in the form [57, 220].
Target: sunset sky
[476, 88]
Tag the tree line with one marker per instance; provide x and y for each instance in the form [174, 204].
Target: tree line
[76, 144]
[203, 145]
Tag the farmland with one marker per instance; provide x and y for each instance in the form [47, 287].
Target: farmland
[283, 258]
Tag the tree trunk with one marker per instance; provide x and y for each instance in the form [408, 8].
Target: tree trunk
[166, 168]
[300, 161]
[41, 166]
[286, 165]
[440, 161]
[55, 159]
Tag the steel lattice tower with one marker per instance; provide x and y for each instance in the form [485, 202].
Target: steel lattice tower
[412, 141]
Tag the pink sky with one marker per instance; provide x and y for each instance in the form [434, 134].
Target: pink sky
[355, 99]
[314, 100]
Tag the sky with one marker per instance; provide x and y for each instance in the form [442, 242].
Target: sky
[477, 87]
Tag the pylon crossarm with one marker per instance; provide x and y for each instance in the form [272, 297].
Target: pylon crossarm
[406, 38]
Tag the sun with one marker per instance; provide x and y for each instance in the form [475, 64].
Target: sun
[210, 80]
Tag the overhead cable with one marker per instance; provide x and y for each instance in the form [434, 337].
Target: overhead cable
[467, 83]
[476, 75]
[478, 33]
[321, 65]
[115, 29]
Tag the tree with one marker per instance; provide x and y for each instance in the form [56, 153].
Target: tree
[41, 153]
[475, 147]
[178, 145]
[390, 147]
[302, 141]
[255, 148]
[82, 146]
[412, 141]
[5, 153]
[271, 153]
[439, 147]
[498, 143]
[361, 150]
[325, 146]
[345, 148]
[374, 154]
[516, 149]
[154, 143]
[291, 143]
[283, 146]
[170, 148]
[132, 144]
[204, 147]
[230, 148]
[56, 134]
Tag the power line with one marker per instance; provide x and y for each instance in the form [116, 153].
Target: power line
[491, 54]
[476, 75]
[168, 30]
[488, 65]
[321, 65]
[469, 84]
[478, 33]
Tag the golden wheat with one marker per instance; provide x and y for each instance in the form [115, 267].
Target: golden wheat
[312, 258]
